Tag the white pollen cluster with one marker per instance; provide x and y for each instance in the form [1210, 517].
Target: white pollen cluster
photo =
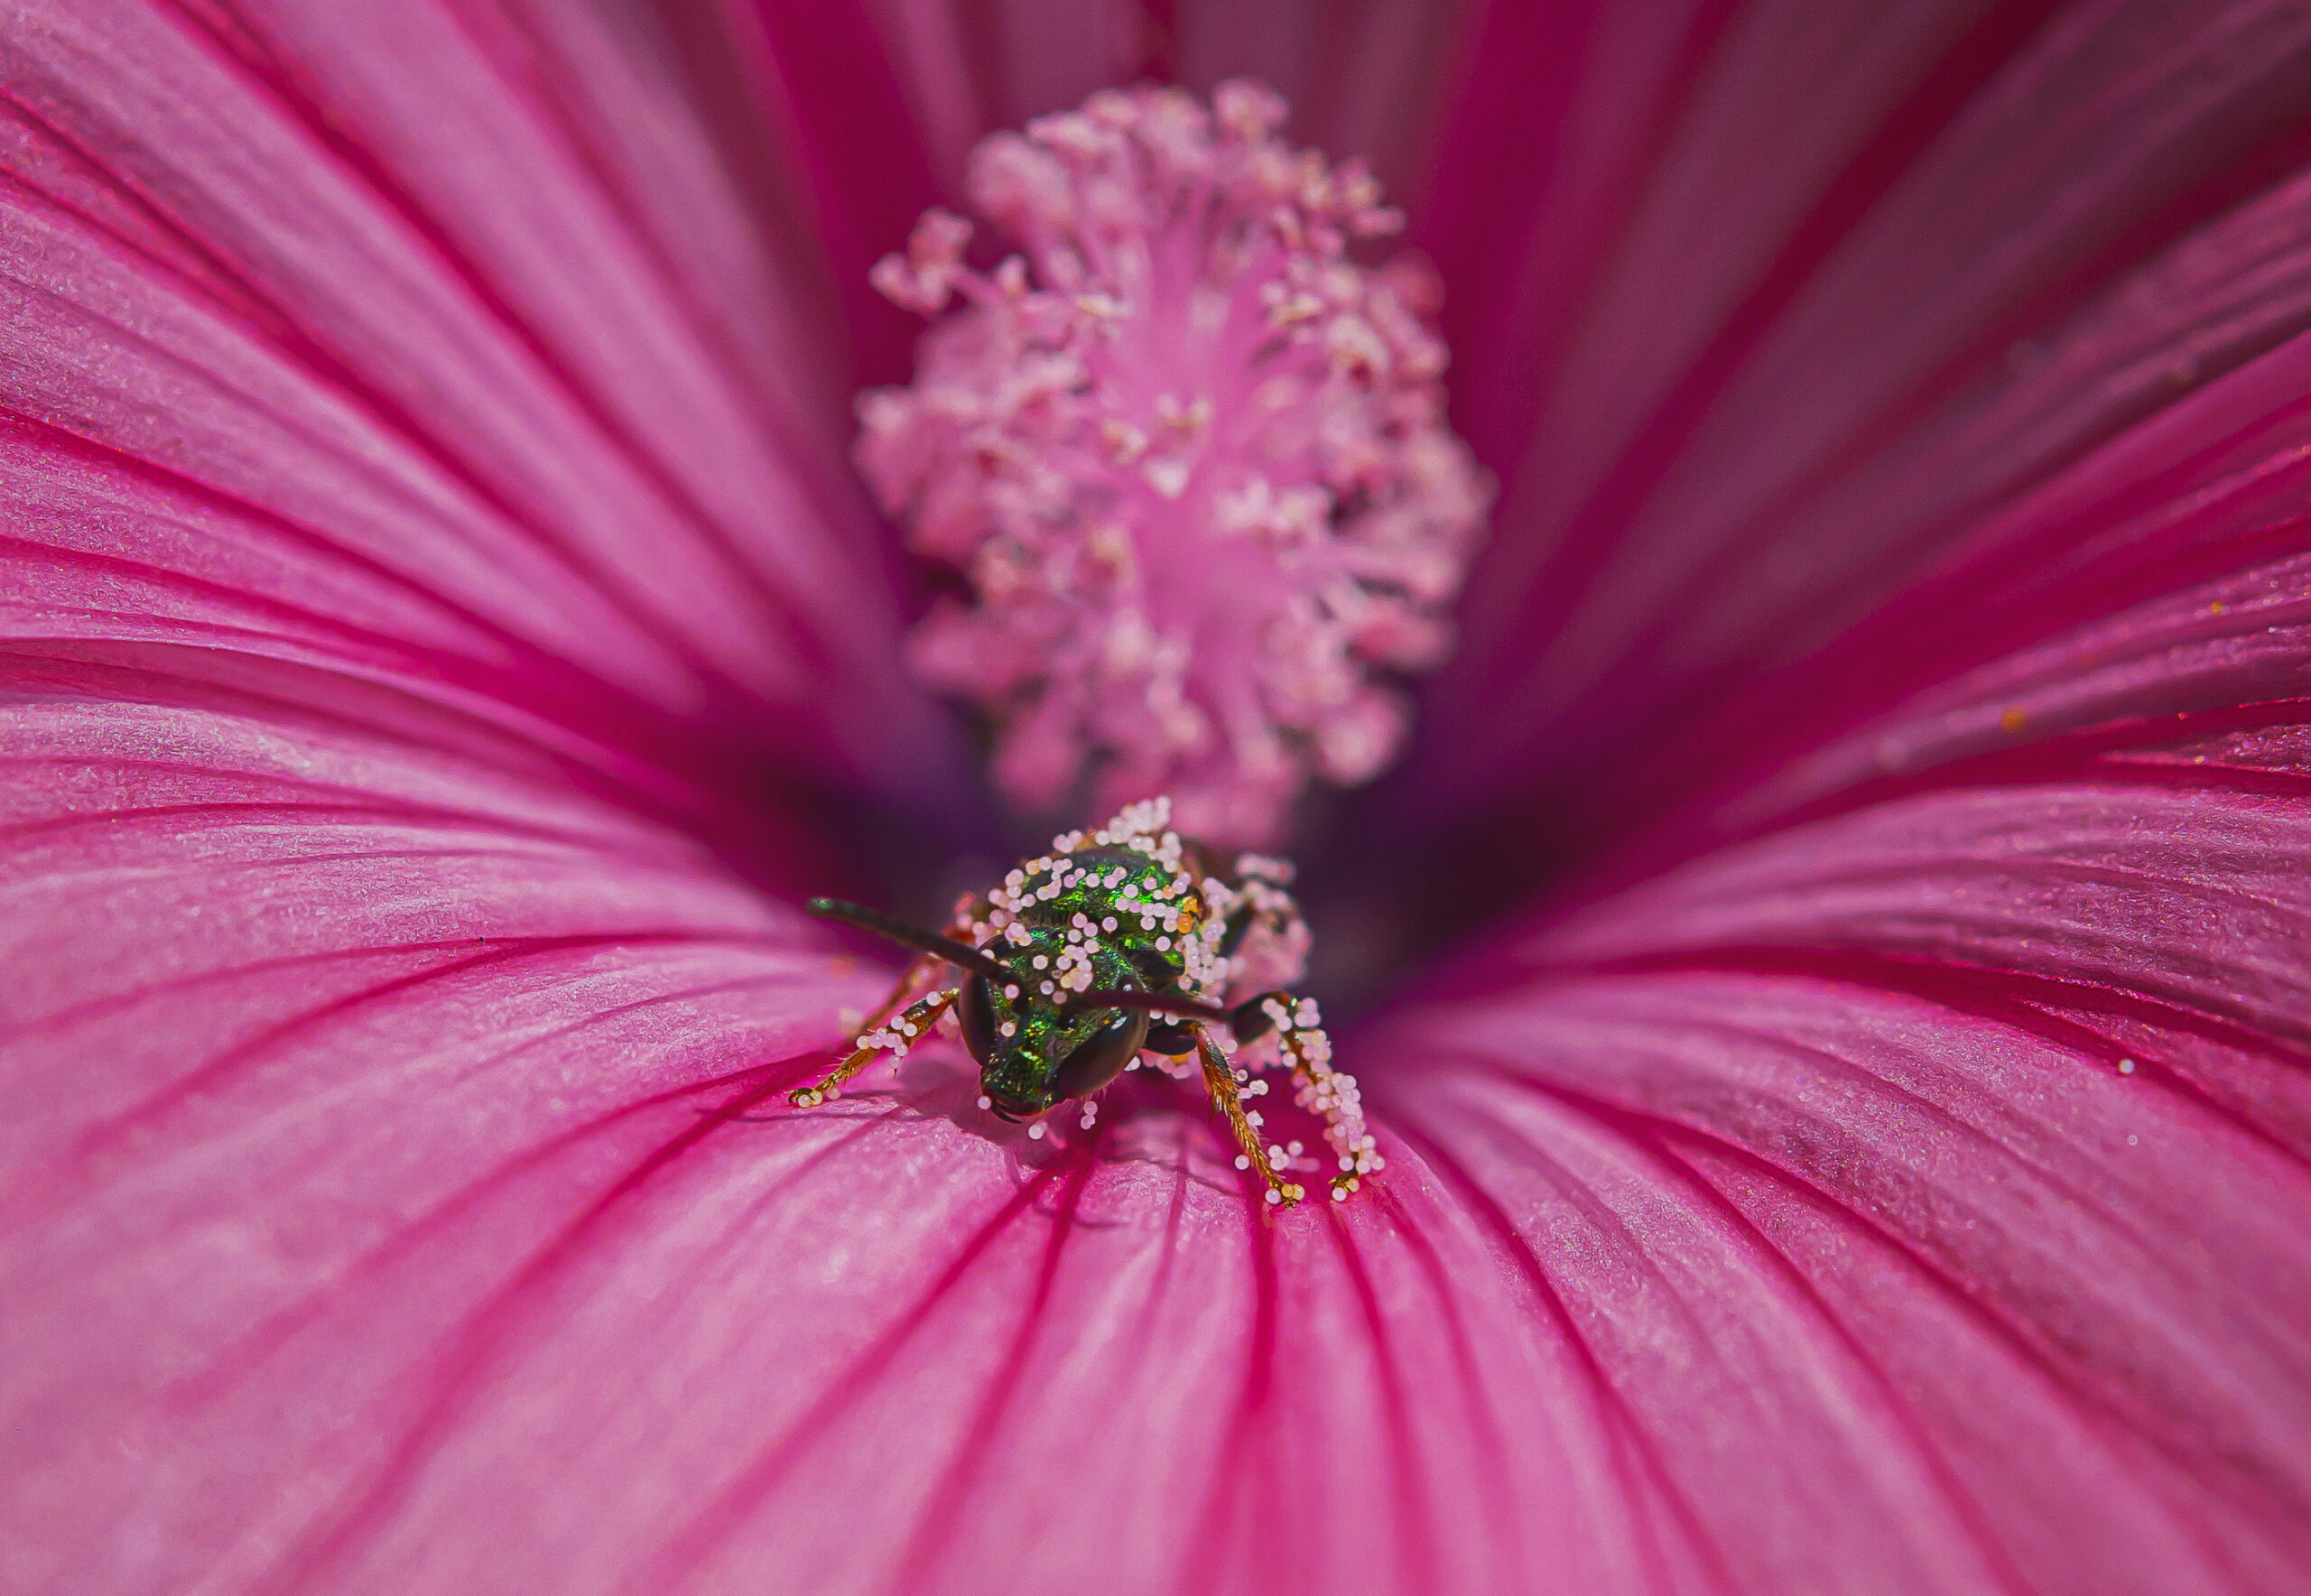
[896, 1037]
[1167, 909]
[1191, 456]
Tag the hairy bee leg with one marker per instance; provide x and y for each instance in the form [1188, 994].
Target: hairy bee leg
[924, 974]
[1219, 1080]
[897, 1037]
[921, 976]
[1330, 1094]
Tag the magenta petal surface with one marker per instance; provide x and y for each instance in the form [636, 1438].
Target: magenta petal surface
[1883, 1268]
[330, 344]
[1734, 415]
[1999, 1087]
[314, 1030]
[1746, 1238]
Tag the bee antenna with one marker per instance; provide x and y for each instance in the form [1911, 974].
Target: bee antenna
[961, 954]
[1125, 998]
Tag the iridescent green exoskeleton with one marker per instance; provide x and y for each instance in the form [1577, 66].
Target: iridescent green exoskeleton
[1124, 946]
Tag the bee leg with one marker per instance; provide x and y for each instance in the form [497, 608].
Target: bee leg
[1255, 1018]
[896, 1036]
[928, 971]
[1221, 1080]
[1239, 926]
[921, 976]
[923, 979]
[1172, 1041]
[1329, 1093]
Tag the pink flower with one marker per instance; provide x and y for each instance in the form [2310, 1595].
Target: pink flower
[1864, 1151]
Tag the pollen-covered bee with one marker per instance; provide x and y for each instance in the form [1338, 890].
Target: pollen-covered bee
[1121, 948]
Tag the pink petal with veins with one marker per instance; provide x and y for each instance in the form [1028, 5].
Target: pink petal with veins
[1772, 409]
[878, 102]
[519, 426]
[1883, 1267]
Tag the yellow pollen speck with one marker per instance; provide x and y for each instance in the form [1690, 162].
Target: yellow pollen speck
[2217, 607]
[2013, 718]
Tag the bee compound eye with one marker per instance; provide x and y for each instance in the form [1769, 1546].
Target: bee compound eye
[975, 1012]
[1102, 1056]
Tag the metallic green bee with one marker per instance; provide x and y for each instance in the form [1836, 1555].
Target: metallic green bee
[1119, 948]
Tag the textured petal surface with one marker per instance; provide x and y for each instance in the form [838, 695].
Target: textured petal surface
[1996, 1079]
[319, 1014]
[1774, 1227]
[358, 340]
[1790, 373]
[1898, 1278]
[879, 102]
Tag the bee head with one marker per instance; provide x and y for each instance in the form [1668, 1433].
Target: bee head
[1032, 1053]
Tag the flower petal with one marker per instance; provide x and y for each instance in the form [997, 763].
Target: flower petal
[329, 343]
[1975, 1043]
[2141, 612]
[1726, 466]
[1906, 1195]
[1899, 1279]
[356, 990]
[423, 1159]
[453, 1205]
[880, 101]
